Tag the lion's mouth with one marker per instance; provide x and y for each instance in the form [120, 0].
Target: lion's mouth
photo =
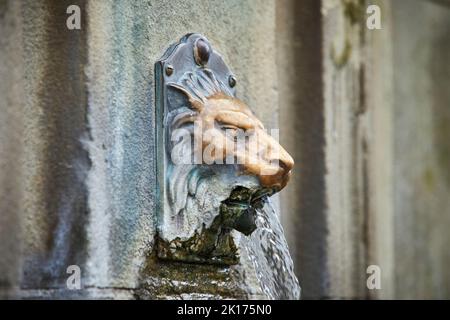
[239, 209]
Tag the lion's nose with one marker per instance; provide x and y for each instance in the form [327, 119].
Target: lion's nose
[285, 161]
[279, 178]
[286, 164]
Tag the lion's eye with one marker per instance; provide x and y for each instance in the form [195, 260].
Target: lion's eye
[229, 128]
[231, 131]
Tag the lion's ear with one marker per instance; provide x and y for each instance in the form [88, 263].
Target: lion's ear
[194, 99]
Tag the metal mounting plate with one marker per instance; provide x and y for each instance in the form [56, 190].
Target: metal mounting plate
[190, 59]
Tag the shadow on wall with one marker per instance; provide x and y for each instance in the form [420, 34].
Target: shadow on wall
[299, 29]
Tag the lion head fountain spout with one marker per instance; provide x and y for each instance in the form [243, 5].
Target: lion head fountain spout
[218, 163]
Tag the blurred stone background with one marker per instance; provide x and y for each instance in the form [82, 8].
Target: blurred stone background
[365, 114]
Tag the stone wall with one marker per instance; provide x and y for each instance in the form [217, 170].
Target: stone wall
[78, 159]
[364, 114]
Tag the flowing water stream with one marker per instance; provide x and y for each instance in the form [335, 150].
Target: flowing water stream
[269, 254]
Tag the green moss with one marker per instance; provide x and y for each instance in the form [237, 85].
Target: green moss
[428, 179]
[340, 60]
[353, 10]
[215, 244]
[174, 267]
[162, 279]
[3, 7]
[443, 145]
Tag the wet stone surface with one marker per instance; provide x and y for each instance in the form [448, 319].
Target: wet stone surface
[178, 280]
